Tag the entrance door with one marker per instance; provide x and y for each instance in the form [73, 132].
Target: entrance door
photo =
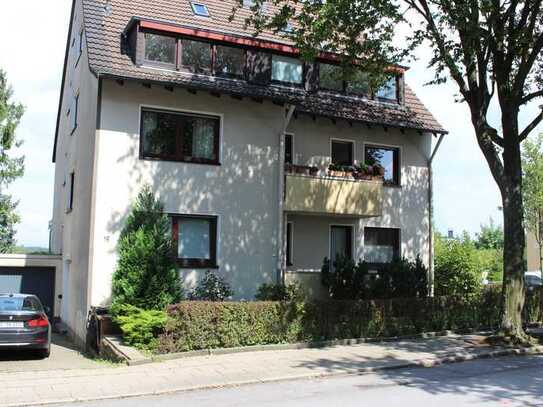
[341, 243]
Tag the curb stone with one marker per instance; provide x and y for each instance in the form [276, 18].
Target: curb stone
[423, 363]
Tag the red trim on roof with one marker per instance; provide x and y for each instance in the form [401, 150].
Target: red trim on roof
[193, 32]
[249, 42]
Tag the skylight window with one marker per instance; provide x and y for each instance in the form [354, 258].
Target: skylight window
[200, 9]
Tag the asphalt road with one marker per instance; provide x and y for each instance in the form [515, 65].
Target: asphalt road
[515, 381]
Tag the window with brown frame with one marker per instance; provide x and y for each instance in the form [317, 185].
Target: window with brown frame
[176, 136]
[195, 241]
[196, 56]
[331, 77]
[160, 50]
[229, 61]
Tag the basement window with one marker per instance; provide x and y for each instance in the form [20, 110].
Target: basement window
[200, 9]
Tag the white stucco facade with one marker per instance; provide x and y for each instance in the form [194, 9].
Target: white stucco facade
[243, 192]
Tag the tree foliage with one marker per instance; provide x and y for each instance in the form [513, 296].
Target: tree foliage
[490, 49]
[532, 158]
[11, 167]
[457, 271]
[146, 276]
[490, 237]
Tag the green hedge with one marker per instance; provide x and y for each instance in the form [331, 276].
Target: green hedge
[209, 325]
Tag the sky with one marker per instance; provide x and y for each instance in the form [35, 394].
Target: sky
[465, 194]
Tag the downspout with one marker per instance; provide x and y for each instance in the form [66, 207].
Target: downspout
[281, 264]
[431, 217]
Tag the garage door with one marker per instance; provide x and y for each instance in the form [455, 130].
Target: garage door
[39, 281]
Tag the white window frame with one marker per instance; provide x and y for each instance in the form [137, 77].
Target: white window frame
[400, 233]
[400, 158]
[293, 148]
[353, 246]
[291, 246]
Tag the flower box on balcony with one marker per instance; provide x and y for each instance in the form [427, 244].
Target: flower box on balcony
[301, 169]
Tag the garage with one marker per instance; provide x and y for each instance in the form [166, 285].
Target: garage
[39, 281]
[40, 275]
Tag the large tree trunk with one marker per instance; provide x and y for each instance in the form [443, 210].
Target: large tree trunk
[513, 257]
[514, 234]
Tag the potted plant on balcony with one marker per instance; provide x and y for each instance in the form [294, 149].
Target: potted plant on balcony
[341, 171]
[378, 171]
[301, 169]
[363, 172]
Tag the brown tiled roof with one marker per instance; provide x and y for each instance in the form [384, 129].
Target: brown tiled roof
[108, 59]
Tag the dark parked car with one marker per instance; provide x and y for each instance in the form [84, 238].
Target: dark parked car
[532, 281]
[24, 324]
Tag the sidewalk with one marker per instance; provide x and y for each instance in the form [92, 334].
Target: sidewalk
[57, 386]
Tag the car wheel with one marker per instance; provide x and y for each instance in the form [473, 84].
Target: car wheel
[44, 354]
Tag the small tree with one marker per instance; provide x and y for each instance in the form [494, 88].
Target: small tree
[146, 275]
[532, 160]
[11, 168]
[456, 267]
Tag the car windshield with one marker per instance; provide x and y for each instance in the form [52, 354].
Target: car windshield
[19, 304]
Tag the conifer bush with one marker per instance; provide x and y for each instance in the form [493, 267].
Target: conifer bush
[146, 276]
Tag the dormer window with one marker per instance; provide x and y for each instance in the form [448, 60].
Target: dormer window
[359, 84]
[160, 50]
[389, 90]
[196, 56]
[229, 61]
[330, 77]
[286, 70]
[200, 9]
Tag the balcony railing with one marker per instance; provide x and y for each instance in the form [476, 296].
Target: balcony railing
[327, 195]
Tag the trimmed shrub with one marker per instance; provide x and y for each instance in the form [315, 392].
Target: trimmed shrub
[146, 275]
[208, 325]
[141, 328]
[280, 292]
[211, 288]
[399, 279]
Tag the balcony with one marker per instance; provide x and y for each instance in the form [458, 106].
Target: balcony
[326, 195]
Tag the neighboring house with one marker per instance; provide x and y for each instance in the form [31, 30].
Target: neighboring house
[172, 94]
[533, 252]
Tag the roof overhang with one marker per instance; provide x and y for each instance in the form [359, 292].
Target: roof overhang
[277, 99]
